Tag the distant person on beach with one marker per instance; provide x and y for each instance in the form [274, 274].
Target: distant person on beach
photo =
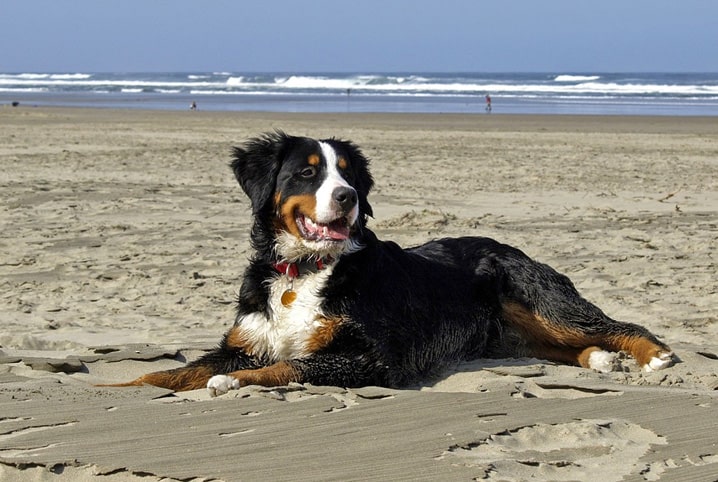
[193, 106]
[488, 103]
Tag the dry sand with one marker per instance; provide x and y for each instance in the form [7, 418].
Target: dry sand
[124, 236]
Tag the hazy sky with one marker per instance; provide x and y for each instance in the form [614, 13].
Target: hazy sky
[359, 35]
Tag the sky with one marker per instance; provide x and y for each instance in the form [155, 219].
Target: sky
[359, 36]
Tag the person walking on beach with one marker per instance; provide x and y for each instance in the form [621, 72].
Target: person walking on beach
[488, 104]
[193, 106]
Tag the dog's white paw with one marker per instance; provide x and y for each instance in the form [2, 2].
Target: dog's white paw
[601, 361]
[663, 360]
[221, 384]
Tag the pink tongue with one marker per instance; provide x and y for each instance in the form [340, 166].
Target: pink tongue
[341, 233]
[336, 230]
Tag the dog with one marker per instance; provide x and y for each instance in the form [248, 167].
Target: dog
[324, 301]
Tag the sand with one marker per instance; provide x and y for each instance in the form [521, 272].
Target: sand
[124, 237]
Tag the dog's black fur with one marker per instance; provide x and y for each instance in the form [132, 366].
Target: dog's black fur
[390, 316]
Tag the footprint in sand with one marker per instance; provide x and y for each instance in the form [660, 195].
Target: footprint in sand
[567, 451]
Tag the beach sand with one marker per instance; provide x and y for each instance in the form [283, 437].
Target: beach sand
[125, 235]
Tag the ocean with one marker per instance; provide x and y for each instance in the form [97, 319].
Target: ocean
[689, 94]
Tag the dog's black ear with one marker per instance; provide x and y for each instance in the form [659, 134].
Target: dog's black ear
[363, 182]
[256, 165]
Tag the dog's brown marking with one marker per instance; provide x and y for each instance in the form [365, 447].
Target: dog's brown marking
[304, 204]
[323, 335]
[182, 379]
[342, 163]
[553, 341]
[313, 160]
[238, 338]
[549, 340]
[179, 379]
[278, 374]
[542, 331]
[640, 348]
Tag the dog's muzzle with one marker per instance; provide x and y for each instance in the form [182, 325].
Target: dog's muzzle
[345, 198]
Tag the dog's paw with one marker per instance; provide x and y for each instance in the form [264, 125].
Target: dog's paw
[602, 361]
[221, 384]
[663, 360]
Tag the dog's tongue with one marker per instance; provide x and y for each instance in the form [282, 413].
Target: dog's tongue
[336, 230]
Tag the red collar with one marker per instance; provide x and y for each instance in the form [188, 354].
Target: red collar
[293, 270]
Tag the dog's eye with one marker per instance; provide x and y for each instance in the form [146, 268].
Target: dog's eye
[308, 172]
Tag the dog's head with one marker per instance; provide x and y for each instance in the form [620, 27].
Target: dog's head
[309, 197]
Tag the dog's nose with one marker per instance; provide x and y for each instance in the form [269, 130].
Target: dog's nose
[345, 197]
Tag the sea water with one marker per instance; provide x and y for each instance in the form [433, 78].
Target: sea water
[533, 93]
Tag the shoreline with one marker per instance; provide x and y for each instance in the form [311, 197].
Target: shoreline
[126, 242]
[368, 104]
[620, 123]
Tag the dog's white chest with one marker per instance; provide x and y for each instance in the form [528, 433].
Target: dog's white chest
[287, 331]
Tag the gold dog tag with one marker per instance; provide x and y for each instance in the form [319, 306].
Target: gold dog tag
[288, 297]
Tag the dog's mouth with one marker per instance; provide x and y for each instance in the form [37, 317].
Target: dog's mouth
[337, 230]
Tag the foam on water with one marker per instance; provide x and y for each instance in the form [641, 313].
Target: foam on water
[382, 92]
[576, 78]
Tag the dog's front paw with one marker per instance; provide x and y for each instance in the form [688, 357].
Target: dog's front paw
[662, 360]
[221, 384]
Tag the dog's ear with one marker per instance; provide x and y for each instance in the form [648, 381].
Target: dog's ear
[256, 165]
[363, 182]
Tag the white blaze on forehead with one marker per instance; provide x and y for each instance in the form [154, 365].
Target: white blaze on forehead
[326, 210]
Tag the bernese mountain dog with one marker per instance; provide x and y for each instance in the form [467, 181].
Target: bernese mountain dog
[324, 301]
